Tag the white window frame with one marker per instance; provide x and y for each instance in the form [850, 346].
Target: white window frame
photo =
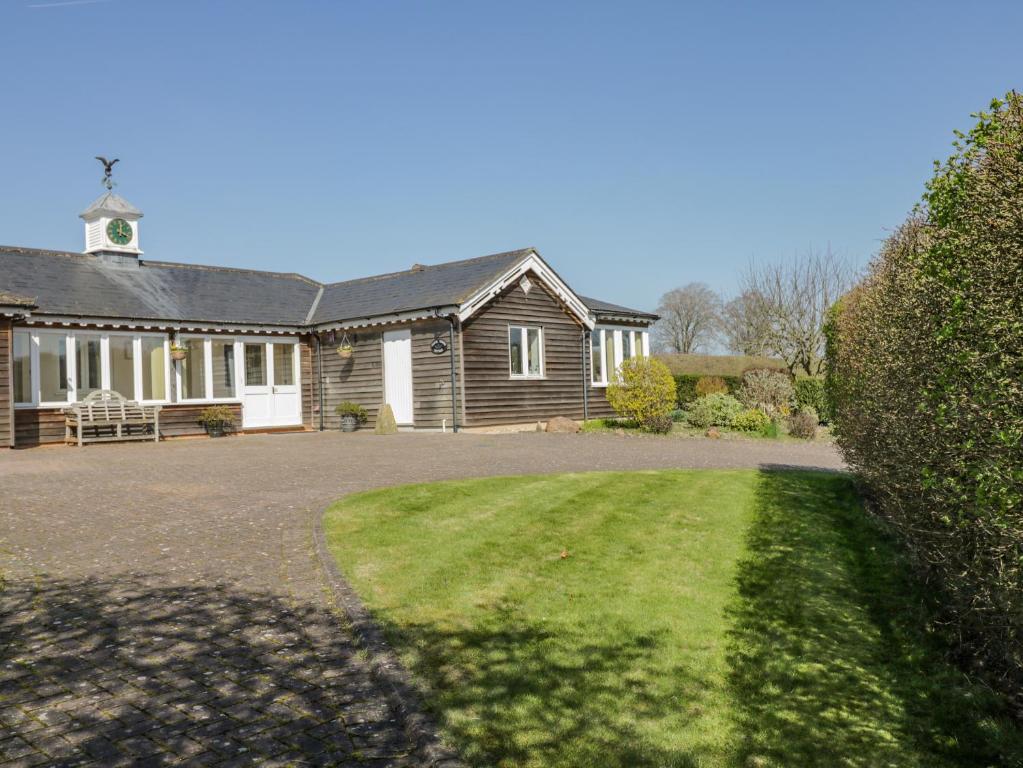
[71, 336]
[207, 356]
[639, 346]
[525, 352]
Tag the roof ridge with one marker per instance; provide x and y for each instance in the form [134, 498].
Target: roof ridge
[50, 251]
[427, 267]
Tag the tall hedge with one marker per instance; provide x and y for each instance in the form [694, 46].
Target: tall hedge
[926, 383]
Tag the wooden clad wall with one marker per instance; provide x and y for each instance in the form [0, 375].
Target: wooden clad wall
[431, 376]
[307, 369]
[6, 385]
[40, 426]
[358, 379]
[491, 396]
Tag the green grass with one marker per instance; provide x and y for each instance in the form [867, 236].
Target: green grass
[701, 618]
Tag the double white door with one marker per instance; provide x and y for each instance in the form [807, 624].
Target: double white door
[270, 384]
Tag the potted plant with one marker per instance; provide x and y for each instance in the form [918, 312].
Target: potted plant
[352, 415]
[345, 350]
[177, 351]
[216, 419]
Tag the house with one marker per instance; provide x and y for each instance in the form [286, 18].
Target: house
[499, 339]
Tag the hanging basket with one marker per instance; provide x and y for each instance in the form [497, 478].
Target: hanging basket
[179, 353]
[344, 348]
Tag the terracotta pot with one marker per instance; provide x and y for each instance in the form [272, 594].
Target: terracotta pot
[178, 354]
[345, 352]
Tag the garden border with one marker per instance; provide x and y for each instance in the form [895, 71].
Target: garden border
[385, 666]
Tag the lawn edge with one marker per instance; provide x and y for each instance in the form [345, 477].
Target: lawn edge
[385, 666]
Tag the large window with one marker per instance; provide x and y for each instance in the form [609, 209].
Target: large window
[208, 370]
[609, 348]
[22, 367]
[525, 352]
[53, 368]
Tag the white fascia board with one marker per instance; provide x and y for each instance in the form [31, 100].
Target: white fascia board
[533, 263]
[396, 317]
[162, 325]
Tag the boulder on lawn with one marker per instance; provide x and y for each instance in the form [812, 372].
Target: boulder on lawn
[561, 424]
[386, 425]
[714, 433]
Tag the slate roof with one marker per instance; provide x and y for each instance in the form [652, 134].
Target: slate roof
[599, 308]
[108, 202]
[423, 287]
[14, 300]
[80, 285]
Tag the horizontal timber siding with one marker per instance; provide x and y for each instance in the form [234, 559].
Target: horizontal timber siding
[431, 376]
[6, 385]
[491, 395]
[40, 426]
[357, 379]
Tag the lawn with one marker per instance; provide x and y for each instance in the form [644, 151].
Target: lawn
[664, 619]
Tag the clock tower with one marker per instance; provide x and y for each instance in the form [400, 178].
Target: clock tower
[112, 228]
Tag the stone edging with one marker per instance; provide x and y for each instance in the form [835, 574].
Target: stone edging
[385, 666]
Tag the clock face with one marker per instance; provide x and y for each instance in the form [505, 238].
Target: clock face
[119, 231]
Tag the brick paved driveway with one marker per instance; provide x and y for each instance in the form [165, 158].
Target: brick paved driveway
[163, 603]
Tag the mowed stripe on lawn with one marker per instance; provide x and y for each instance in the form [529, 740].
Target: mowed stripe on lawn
[617, 619]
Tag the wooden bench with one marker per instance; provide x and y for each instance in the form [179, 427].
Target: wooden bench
[107, 416]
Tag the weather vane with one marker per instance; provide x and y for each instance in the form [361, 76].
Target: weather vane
[108, 170]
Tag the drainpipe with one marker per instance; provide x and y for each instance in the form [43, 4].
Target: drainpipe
[451, 357]
[454, 392]
[586, 393]
[319, 374]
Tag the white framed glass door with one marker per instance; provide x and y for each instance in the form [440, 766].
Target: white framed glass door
[270, 384]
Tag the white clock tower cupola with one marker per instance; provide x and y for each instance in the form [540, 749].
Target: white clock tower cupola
[112, 224]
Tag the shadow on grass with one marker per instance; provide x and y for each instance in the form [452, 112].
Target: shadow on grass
[124, 672]
[517, 693]
[831, 661]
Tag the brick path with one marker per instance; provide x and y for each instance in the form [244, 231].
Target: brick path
[163, 604]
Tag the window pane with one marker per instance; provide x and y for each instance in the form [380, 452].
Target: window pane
[154, 368]
[88, 359]
[596, 357]
[22, 367]
[626, 345]
[52, 367]
[193, 370]
[255, 365]
[284, 364]
[122, 366]
[639, 344]
[223, 368]
[515, 350]
[535, 353]
[609, 349]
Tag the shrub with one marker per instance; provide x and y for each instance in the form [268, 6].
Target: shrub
[644, 391]
[678, 415]
[771, 430]
[711, 385]
[217, 416]
[352, 409]
[924, 372]
[766, 390]
[685, 386]
[751, 420]
[803, 423]
[717, 410]
[809, 393]
[661, 424]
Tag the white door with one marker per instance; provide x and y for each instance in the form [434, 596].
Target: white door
[270, 393]
[398, 374]
[284, 368]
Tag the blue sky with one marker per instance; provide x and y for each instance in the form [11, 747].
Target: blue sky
[639, 145]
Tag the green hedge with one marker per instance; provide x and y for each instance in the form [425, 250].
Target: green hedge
[685, 386]
[810, 394]
[924, 376]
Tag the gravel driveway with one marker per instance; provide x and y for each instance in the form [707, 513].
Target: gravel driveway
[163, 603]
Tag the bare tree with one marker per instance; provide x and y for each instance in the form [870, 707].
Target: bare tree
[793, 297]
[744, 328]
[689, 318]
